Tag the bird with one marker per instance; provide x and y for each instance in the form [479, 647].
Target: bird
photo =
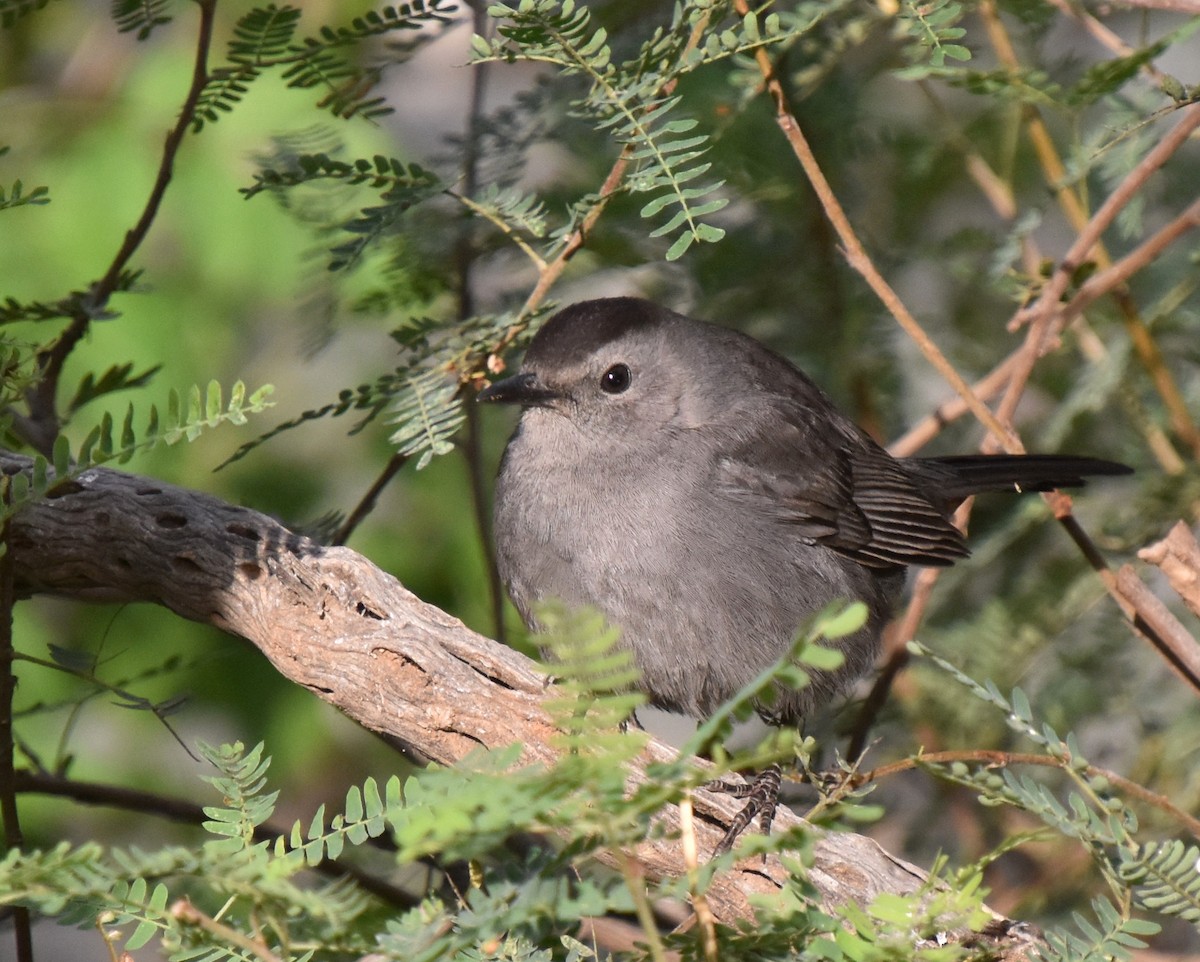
[710, 500]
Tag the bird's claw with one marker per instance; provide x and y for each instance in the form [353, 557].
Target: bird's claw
[762, 794]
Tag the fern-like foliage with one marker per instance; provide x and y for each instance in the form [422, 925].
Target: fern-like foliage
[136, 891]
[17, 196]
[378, 172]
[142, 16]
[1166, 876]
[519, 216]
[13, 10]
[76, 304]
[265, 39]
[595, 679]
[636, 111]
[119, 377]
[12, 310]
[427, 415]
[240, 784]
[932, 29]
[423, 396]
[1092, 813]
[260, 38]
[402, 187]
[633, 101]
[371, 399]
[263, 35]
[787, 672]
[1116, 937]
[183, 419]
[367, 814]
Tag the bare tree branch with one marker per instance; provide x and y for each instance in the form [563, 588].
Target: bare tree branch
[331, 621]
[1178, 555]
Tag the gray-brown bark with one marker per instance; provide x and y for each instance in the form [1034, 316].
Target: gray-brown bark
[331, 621]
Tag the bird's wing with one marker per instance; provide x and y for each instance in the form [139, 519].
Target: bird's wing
[835, 487]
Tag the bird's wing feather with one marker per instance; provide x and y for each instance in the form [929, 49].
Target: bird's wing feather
[835, 487]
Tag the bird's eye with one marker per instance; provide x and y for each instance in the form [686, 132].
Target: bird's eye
[616, 379]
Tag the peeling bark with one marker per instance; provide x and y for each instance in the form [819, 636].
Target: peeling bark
[330, 620]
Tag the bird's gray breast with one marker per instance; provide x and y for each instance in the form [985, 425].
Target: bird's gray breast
[707, 589]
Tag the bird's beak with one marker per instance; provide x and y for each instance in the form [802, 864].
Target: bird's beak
[524, 389]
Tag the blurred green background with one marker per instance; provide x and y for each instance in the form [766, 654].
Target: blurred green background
[237, 289]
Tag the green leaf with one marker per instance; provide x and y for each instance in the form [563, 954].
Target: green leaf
[822, 658]
[842, 623]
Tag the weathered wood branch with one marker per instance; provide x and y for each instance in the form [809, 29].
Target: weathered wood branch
[1178, 555]
[330, 620]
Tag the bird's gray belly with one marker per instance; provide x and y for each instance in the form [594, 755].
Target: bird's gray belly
[703, 613]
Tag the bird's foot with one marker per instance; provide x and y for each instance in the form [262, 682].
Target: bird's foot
[762, 798]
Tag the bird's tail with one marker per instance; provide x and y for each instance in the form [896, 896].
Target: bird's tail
[973, 473]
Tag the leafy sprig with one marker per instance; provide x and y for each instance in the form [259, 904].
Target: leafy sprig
[142, 16]
[1166, 878]
[183, 419]
[17, 196]
[633, 107]
[13, 10]
[265, 39]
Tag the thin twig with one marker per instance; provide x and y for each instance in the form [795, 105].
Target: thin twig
[467, 254]
[632, 872]
[932, 424]
[367, 502]
[1104, 36]
[13, 837]
[1176, 644]
[895, 660]
[186, 913]
[473, 450]
[501, 224]
[1089, 244]
[704, 916]
[857, 256]
[42, 423]
[1002, 202]
[549, 272]
[1044, 316]
[1106, 281]
[192, 813]
[999, 759]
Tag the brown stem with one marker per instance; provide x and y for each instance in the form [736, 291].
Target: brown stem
[932, 424]
[895, 660]
[187, 914]
[1089, 244]
[857, 256]
[192, 813]
[42, 424]
[1111, 279]
[472, 449]
[13, 837]
[998, 759]
[1045, 315]
[1178, 556]
[333, 623]
[551, 271]
[1176, 644]
[367, 502]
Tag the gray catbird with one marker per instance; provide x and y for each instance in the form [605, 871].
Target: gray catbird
[709, 499]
